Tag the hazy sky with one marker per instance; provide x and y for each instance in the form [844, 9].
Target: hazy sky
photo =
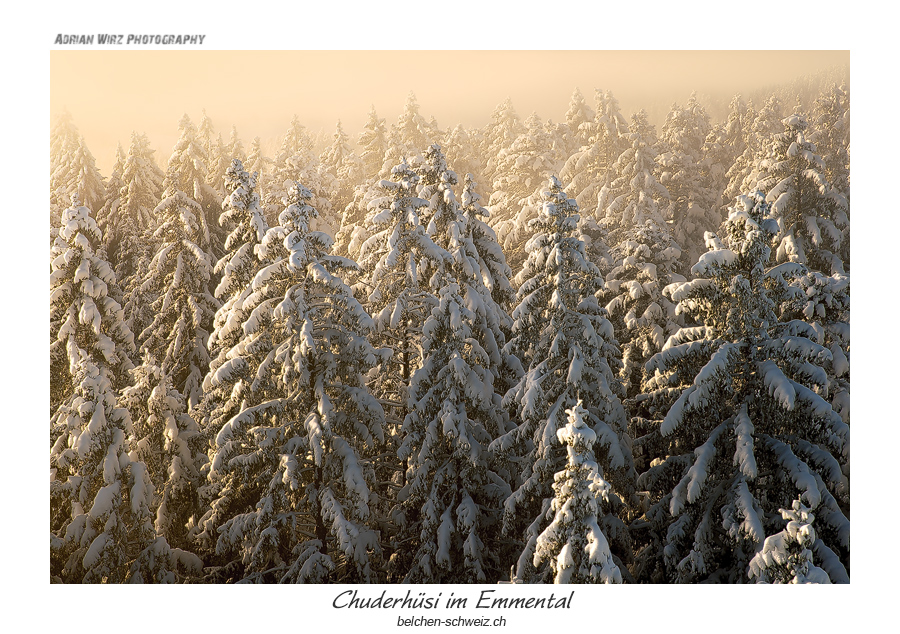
[111, 93]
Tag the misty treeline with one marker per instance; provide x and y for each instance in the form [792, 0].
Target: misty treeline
[586, 351]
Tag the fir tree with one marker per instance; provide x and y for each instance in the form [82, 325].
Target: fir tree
[643, 319]
[78, 174]
[166, 441]
[460, 149]
[235, 147]
[578, 120]
[693, 203]
[131, 243]
[85, 321]
[522, 169]
[398, 261]
[296, 162]
[113, 197]
[634, 195]
[561, 333]
[760, 127]
[340, 169]
[242, 214]
[178, 277]
[452, 497]
[573, 542]
[188, 169]
[589, 169]
[747, 431]
[785, 557]
[257, 162]
[413, 133]
[100, 498]
[811, 213]
[373, 143]
[290, 485]
[73, 170]
[504, 128]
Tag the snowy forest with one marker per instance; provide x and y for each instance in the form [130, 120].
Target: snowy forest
[594, 351]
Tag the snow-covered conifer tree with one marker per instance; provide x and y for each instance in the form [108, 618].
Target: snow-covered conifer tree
[522, 168]
[178, 277]
[188, 169]
[219, 163]
[100, 497]
[579, 119]
[242, 214]
[78, 174]
[85, 321]
[495, 273]
[589, 169]
[290, 486]
[811, 213]
[257, 162]
[413, 132]
[373, 143]
[759, 129]
[113, 195]
[831, 134]
[744, 430]
[237, 268]
[296, 162]
[824, 303]
[573, 543]
[785, 557]
[236, 147]
[634, 194]
[460, 149]
[477, 264]
[340, 169]
[563, 337]
[63, 135]
[398, 261]
[142, 185]
[452, 498]
[165, 440]
[693, 203]
[503, 129]
[643, 319]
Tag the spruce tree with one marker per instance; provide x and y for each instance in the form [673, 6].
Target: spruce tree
[113, 197]
[413, 132]
[812, 214]
[562, 336]
[131, 244]
[373, 143]
[188, 170]
[340, 169]
[166, 440]
[589, 169]
[744, 430]
[578, 120]
[785, 557]
[100, 497]
[693, 203]
[296, 162]
[452, 497]
[290, 481]
[178, 278]
[643, 318]
[573, 542]
[85, 321]
[398, 260]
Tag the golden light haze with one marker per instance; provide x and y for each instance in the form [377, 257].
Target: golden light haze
[111, 93]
